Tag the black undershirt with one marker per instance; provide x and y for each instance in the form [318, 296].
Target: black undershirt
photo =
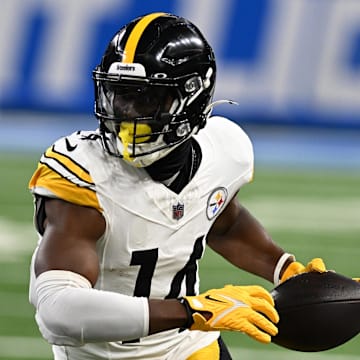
[185, 159]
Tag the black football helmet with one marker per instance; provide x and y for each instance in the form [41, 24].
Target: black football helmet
[153, 87]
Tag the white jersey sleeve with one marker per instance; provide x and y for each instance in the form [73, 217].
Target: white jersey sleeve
[232, 156]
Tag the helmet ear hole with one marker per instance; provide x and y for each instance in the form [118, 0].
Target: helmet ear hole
[193, 84]
[183, 130]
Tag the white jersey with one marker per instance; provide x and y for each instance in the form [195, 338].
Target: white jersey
[154, 237]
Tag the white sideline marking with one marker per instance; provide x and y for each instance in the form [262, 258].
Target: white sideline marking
[24, 347]
[299, 214]
[16, 240]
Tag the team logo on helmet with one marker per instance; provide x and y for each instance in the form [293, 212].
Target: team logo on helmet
[216, 202]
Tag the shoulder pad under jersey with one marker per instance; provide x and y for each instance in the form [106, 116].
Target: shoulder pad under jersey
[63, 171]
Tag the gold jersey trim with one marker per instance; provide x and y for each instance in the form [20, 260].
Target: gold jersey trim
[62, 188]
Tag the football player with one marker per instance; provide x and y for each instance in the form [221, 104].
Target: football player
[124, 213]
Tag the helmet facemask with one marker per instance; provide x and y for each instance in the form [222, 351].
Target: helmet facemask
[147, 117]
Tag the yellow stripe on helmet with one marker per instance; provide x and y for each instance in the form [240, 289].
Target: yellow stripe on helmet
[135, 35]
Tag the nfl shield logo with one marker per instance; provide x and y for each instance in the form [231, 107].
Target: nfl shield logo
[178, 211]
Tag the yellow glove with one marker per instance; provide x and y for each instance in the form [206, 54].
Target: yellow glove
[357, 279]
[237, 308]
[296, 268]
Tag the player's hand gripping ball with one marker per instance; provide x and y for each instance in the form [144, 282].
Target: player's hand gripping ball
[248, 309]
[296, 268]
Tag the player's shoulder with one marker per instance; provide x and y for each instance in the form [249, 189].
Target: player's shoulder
[229, 136]
[72, 145]
[228, 150]
[65, 170]
[224, 128]
[80, 147]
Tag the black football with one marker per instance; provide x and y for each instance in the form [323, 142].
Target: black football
[317, 311]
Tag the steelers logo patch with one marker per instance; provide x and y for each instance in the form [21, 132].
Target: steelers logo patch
[216, 202]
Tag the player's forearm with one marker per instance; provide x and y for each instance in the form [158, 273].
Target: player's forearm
[166, 315]
[70, 312]
[248, 246]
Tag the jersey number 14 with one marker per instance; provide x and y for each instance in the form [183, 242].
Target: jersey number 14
[147, 260]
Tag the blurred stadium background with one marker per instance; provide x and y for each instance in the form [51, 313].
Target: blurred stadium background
[293, 67]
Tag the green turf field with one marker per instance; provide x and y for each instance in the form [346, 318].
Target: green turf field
[310, 213]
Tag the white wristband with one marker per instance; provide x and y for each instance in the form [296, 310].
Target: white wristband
[280, 264]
